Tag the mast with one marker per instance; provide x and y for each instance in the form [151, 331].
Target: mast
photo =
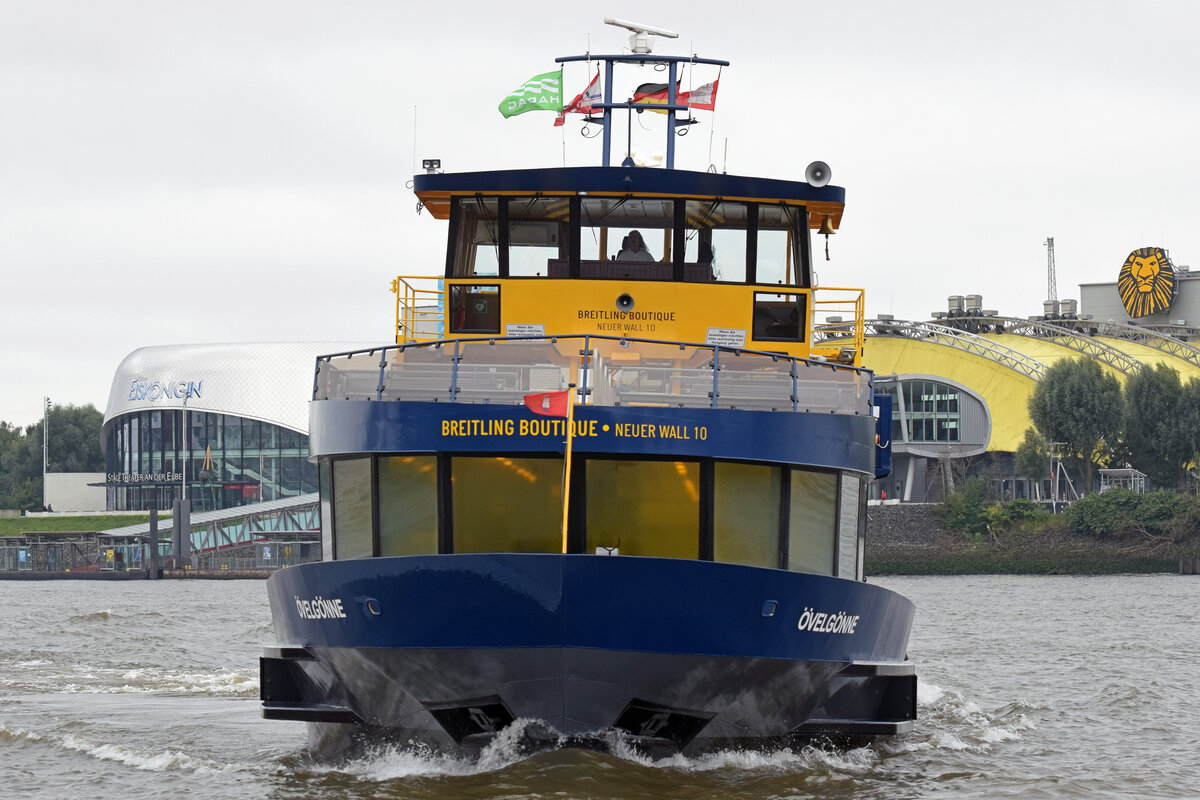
[641, 59]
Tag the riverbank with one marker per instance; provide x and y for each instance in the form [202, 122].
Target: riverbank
[906, 540]
[137, 575]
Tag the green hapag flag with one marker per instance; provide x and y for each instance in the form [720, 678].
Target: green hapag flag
[539, 93]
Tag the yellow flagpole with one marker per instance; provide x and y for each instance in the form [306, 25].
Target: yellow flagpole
[566, 487]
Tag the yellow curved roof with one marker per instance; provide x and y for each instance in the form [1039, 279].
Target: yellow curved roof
[1005, 390]
[1151, 356]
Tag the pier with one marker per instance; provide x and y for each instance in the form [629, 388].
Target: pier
[250, 541]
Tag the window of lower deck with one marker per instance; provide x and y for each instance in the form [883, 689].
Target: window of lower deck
[812, 528]
[325, 487]
[507, 505]
[352, 526]
[746, 502]
[848, 527]
[644, 508]
[408, 523]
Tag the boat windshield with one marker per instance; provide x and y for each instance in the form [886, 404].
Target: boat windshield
[695, 240]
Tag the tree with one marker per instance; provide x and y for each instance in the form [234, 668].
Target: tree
[1154, 438]
[1188, 416]
[74, 439]
[1032, 458]
[21, 471]
[1078, 405]
[74, 446]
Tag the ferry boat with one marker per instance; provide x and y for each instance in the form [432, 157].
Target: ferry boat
[609, 483]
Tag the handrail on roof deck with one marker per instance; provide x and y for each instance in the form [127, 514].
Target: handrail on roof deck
[765, 381]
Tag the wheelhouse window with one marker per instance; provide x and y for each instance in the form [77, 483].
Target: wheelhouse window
[781, 230]
[629, 238]
[477, 240]
[716, 238]
[510, 237]
[644, 508]
[507, 505]
[622, 237]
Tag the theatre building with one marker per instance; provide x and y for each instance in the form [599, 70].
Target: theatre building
[961, 381]
[221, 425]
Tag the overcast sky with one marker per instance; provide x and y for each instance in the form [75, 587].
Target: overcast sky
[176, 172]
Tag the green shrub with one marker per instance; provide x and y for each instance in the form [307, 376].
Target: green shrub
[1013, 513]
[1119, 510]
[966, 509]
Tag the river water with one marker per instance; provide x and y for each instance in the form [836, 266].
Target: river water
[1039, 687]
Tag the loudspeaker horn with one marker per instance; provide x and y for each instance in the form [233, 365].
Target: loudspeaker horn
[625, 302]
[817, 173]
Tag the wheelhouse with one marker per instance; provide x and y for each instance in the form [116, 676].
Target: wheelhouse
[715, 258]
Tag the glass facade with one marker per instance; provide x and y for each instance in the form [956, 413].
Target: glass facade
[924, 410]
[763, 515]
[224, 460]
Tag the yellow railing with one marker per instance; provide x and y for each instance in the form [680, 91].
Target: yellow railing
[420, 308]
[838, 317]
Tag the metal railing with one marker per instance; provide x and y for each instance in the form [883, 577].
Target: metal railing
[1076, 339]
[420, 308]
[960, 340]
[607, 370]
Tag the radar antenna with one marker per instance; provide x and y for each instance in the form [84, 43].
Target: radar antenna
[641, 41]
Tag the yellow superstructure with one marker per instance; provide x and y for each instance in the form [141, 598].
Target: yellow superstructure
[779, 319]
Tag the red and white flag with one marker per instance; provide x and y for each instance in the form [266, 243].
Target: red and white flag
[704, 98]
[549, 404]
[582, 104]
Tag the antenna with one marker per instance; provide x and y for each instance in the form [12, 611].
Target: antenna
[642, 39]
[1051, 282]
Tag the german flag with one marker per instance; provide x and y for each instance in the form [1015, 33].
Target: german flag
[655, 94]
[704, 97]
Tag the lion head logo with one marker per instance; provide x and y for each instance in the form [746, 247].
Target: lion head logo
[1147, 282]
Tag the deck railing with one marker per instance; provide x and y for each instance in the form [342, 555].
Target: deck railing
[607, 371]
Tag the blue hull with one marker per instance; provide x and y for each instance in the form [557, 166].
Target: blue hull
[678, 654]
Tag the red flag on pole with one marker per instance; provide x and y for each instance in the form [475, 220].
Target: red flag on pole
[550, 404]
[705, 97]
[582, 104]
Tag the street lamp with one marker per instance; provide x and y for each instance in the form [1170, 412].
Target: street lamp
[45, 447]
